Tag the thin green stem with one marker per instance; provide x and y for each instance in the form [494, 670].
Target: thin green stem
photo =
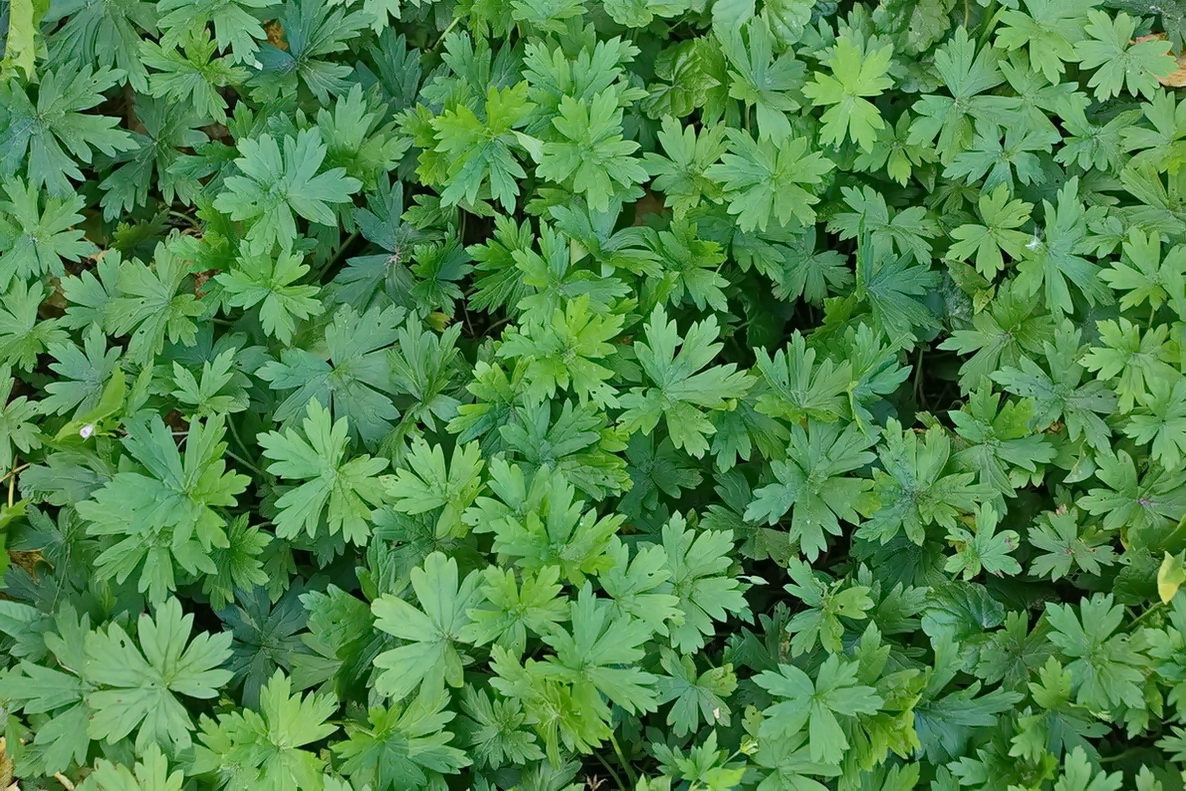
[334, 258]
[13, 472]
[243, 447]
[448, 30]
[1147, 613]
[183, 216]
[612, 773]
[633, 778]
[245, 463]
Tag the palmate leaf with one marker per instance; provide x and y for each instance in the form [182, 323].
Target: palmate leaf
[983, 548]
[262, 747]
[996, 233]
[429, 655]
[591, 157]
[1048, 29]
[48, 135]
[280, 181]
[696, 696]
[812, 484]
[539, 521]
[816, 705]
[339, 491]
[767, 182]
[761, 80]
[267, 281]
[1106, 668]
[599, 654]
[349, 374]
[423, 483]
[856, 74]
[314, 30]
[192, 76]
[18, 432]
[1119, 62]
[968, 73]
[480, 153]
[891, 289]
[699, 562]
[234, 26]
[1062, 394]
[36, 239]
[1056, 259]
[402, 744]
[677, 388]
[164, 520]
[917, 487]
[167, 127]
[149, 773]
[139, 686]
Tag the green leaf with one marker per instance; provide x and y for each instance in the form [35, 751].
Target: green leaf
[817, 705]
[481, 152]
[149, 773]
[856, 75]
[18, 433]
[1121, 63]
[983, 548]
[138, 687]
[769, 179]
[599, 655]
[813, 485]
[429, 656]
[1066, 545]
[349, 373]
[696, 696]
[338, 492]
[680, 385]
[402, 744]
[279, 185]
[427, 485]
[916, 486]
[164, 519]
[1000, 217]
[591, 157]
[1106, 667]
[263, 748]
[267, 282]
[37, 241]
[20, 45]
[699, 563]
[38, 129]
[767, 86]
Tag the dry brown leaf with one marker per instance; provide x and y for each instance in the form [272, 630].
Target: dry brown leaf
[5, 768]
[26, 559]
[1176, 78]
[275, 33]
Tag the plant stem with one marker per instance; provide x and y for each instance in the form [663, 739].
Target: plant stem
[334, 258]
[1157, 606]
[616, 777]
[243, 447]
[448, 30]
[13, 472]
[622, 760]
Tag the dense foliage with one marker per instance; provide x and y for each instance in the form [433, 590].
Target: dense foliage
[777, 395]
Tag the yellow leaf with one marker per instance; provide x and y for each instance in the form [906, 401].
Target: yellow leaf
[20, 47]
[1170, 577]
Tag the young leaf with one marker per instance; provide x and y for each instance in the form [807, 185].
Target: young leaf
[338, 492]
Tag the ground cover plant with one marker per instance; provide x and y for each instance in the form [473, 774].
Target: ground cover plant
[659, 395]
